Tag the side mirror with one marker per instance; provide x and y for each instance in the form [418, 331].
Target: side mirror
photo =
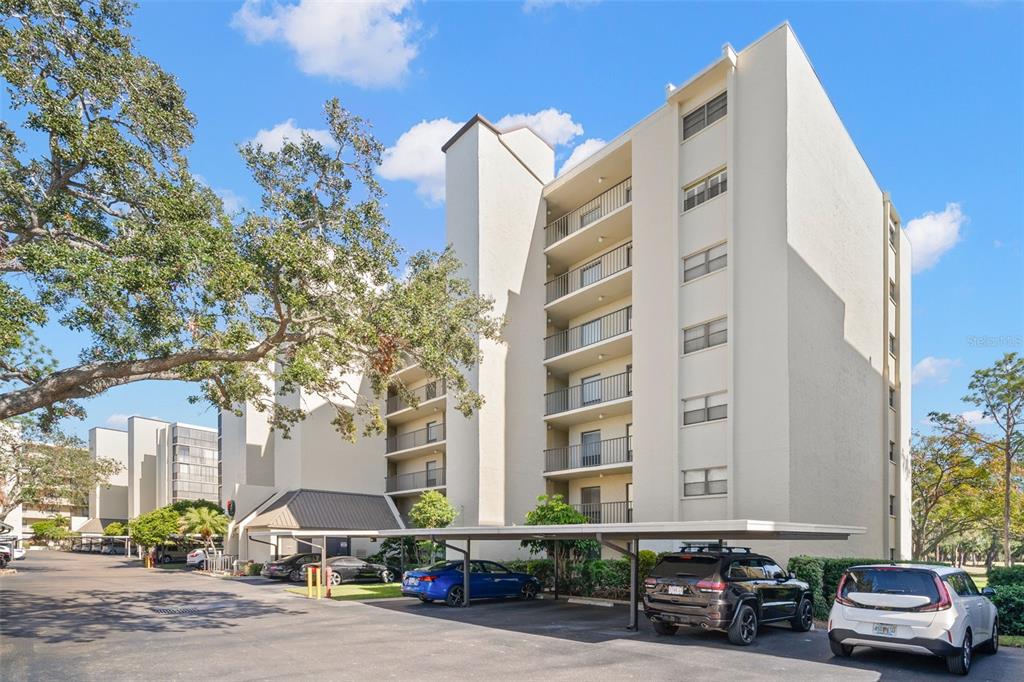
[792, 575]
[988, 591]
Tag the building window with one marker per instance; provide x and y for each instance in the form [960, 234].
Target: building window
[892, 451]
[703, 336]
[892, 344]
[892, 505]
[892, 554]
[704, 115]
[892, 234]
[892, 397]
[704, 409]
[892, 291]
[702, 190]
[700, 264]
[697, 482]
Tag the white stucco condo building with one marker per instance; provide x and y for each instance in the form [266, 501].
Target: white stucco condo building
[707, 319]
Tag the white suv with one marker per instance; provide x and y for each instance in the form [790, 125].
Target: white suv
[915, 608]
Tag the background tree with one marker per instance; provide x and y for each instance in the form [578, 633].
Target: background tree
[204, 522]
[115, 528]
[552, 510]
[154, 528]
[46, 475]
[105, 231]
[946, 484]
[56, 530]
[433, 510]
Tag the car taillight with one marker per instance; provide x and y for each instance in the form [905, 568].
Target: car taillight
[428, 578]
[944, 601]
[651, 582]
[710, 586]
[839, 592]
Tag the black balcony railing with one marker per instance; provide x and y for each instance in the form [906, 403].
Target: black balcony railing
[428, 478]
[435, 389]
[606, 512]
[610, 451]
[414, 439]
[592, 392]
[590, 212]
[605, 265]
[595, 331]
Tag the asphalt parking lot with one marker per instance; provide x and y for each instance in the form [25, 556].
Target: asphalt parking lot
[86, 617]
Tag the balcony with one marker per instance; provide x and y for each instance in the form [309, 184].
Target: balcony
[613, 455]
[604, 278]
[427, 399]
[415, 481]
[415, 442]
[581, 346]
[606, 512]
[607, 217]
[607, 396]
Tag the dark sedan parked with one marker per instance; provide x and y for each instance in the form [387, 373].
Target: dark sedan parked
[289, 567]
[349, 569]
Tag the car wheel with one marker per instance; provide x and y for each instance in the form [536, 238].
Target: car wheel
[663, 628]
[165, 559]
[840, 650]
[744, 627]
[426, 600]
[454, 598]
[335, 578]
[960, 662]
[386, 576]
[992, 645]
[529, 591]
[804, 617]
[295, 575]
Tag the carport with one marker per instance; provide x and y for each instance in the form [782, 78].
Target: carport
[624, 538]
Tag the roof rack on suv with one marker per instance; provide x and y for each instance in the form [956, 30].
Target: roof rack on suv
[712, 547]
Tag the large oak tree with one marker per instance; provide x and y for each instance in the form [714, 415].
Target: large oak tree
[106, 232]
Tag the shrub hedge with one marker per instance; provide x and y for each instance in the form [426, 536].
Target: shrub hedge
[253, 568]
[607, 578]
[1009, 600]
[1001, 575]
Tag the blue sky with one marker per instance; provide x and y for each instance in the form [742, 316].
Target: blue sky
[933, 95]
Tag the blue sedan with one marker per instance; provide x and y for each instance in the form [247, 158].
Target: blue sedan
[487, 580]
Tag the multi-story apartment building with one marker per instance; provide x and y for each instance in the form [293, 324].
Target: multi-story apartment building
[707, 319]
[164, 462]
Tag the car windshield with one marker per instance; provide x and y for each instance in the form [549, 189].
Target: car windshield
[444, 565]
[289, 558]
[891, 581]
[685, 566]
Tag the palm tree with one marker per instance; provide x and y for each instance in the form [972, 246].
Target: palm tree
[205, 522]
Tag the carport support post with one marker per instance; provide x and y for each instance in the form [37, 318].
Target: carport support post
[323, 560]
[555, 564]
[632, 551]
[465, 576]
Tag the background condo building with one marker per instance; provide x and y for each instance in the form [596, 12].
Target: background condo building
[709, 318]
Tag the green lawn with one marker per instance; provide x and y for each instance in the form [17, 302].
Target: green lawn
[355, 592]
[1011, 640]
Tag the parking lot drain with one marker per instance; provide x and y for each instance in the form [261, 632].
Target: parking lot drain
[174, 612]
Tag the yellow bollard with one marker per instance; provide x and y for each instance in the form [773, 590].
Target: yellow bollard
[309, 584]
[319, 585]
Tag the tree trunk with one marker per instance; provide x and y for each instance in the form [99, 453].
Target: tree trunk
[1006, 499]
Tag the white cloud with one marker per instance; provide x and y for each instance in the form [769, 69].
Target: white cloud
[233, 202]
[369, 44]
[118, 421]
[582, 152]
[933, 234]
[272, 139]
[933, 370]
[553, 126]
[538, 5]
[976, 417]
[417, 157]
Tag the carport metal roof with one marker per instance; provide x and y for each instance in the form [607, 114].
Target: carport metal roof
[612, 535]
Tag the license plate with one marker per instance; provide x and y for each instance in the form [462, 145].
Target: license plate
[412, 582]
[883, 629]
[676, 589]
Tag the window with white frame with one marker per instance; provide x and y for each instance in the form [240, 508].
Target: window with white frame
[704, 115]
[705, 408]
[700, 264]
[707, 188]
[697, 482]
[892, 343]
[892, 291]
[706, 335]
